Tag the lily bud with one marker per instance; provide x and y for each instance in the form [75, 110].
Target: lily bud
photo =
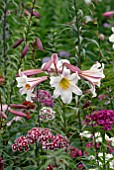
[18, 43]
[17, 113]
[1, 164]
[39, 44]
[26, 12]
[108, 14]
[25, 50]
[1, 80]
[18, 106]
[3, 115]
[36, 14]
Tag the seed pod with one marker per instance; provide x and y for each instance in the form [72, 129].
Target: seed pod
[18, 43]
[25, 50]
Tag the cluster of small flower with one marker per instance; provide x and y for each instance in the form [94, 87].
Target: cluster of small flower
[46, 113]
[74, 152]
[92, 145]
[45, 98]
[20, 144]
[57, 141]
[103, 118]
[43, 136]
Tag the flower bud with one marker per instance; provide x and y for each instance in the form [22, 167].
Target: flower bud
[39, 44]
[108, 14]
[17, 113]
[26, 12]
[36, 14]
[18, 43]
[25, 50]
[1, 80]
[1, 164]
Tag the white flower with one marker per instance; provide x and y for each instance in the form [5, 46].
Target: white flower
[111, 38]
[107, 158]
[65, 85]
[94, 76]
[86, 134]
[87, 1]
[27, 84]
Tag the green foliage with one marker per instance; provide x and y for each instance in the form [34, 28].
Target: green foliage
[62, 26]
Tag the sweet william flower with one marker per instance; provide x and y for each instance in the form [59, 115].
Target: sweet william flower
[65, 85]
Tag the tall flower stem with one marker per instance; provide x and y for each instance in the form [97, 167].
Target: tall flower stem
[104, 163]
[65, 119]
[95, 144]
[78, 33]
[1, 111]
[80, 129]
[29, 22]
[80, 124]
[4, 35]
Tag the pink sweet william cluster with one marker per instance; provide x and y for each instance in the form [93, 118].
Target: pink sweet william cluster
[42, 136]
[103, 118]
[44, 97]
[75, 152]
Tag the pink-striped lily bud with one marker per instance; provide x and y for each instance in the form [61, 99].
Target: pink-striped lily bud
[72, 68]
[31, 72]
[17, 113]
[108, 14]
[18, 106]
[36, 14]
[1, 80]
[53, 60]
[25, 50]
[3, 115]
[26, 12]
[38, 44]
[1, 164]
[17, 43]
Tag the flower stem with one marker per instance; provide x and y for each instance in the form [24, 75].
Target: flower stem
[4, 35]
[78, 34]
[104, 163]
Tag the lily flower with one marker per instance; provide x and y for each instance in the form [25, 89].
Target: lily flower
[65, 85]
[54, 66]
[94, 75]
[111, 38]
[28, 84]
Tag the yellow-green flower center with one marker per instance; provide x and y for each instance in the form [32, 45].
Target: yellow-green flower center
[64, 83]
